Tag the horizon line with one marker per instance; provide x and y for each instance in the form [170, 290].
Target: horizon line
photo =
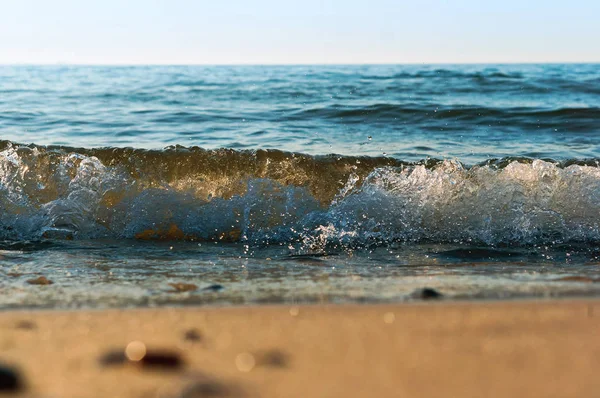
[302, 64]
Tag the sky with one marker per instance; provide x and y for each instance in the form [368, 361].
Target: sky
[298, 32]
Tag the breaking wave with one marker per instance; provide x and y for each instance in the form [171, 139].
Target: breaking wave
[309, 203]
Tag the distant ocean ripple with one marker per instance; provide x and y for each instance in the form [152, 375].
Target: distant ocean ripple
[470, 112]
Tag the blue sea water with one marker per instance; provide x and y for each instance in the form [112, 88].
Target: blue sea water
[298, 183]
[472, 112]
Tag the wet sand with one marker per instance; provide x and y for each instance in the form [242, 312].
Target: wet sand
[498, 349]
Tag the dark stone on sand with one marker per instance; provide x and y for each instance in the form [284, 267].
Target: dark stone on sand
[112, 358]
[153, 359]
[10, 380]
[207, 389]
[192, 335]
[40, 280]
[166, 360]
[214, 288]
[25, 324]
[274, 359]
[182, 287]
[427, 293]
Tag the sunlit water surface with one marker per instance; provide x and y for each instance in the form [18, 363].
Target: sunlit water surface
[336, 184]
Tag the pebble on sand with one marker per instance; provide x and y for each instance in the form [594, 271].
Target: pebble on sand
[427, 293]
[214, 288]
[273, 358]
[163, 359]
[10, 380]
[40, 280]
[192, 335]
[206, 389]
[149, 359]
[26, 324]
[180, 287]
[112, 358]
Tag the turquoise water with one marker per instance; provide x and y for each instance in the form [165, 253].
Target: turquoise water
[297, 184]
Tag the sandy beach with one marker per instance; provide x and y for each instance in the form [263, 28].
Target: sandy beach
[495, 349]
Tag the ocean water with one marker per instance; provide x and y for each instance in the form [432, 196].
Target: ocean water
[293, 184]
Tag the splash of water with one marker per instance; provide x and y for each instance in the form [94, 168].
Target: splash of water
[309, 203]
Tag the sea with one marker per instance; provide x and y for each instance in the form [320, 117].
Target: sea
[129, 186]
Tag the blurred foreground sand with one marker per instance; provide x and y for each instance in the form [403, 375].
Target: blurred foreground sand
[498, 349]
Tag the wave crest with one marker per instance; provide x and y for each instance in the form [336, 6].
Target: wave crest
[521, 203]
[308, 203]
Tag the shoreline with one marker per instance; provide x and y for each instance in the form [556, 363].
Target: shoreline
[524, 348]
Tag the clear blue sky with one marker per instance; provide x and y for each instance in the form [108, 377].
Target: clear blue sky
[308, 31]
